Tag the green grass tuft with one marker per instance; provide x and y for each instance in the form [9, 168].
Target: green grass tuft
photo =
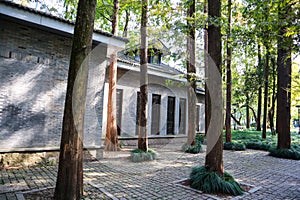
[138, 155]
[212, 183]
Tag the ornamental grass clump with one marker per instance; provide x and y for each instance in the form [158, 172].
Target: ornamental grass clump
[234, 146]
[285, 153]
[258, 146]
[197, 148]
[138, 155]
[212, 183]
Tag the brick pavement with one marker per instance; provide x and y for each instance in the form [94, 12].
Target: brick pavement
[115, 177]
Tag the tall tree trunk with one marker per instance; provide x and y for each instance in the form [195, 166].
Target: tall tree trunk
[111, 138]
[266, 93]
[69, 184]
[143, 125]
[259, 101]
[214, 154]
[284, 62]
[191, 69]
[228, 80]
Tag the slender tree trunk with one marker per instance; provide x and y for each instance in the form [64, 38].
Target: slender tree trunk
[273, 99]
[207, 97]
[266, 94]
[111, 139]
[284, 63]
[127, 15]
[143, 125]
[115, 18]
[69, 184]
[214, 154]
[191, 69]
[228, 80]
[259, 101]
[247, 111]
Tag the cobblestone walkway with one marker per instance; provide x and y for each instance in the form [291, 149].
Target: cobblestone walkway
[116, 177]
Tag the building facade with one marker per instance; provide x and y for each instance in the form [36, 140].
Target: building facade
[34, 58]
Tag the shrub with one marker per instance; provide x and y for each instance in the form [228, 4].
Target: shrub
[258, 146]
[285, 153]
[234, 146]
[138, 155]
[211, 182]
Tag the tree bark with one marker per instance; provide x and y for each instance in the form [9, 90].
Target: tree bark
[111, 138]
[228, 78]
[143, 124]
[69, 184]
[259, 101]
[214, 158]
[266, 93]
[191, 69]
[284, 63]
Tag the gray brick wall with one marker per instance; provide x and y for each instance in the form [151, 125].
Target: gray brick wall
[33, 75]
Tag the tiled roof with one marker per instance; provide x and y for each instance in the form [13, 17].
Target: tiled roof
[21, 7]
[162, 67]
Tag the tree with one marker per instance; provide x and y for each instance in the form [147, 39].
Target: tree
[143, 124]
[69, 184]
[284, 62]
[111, 138]
[191, 71]
[228, 76]
[214, 158]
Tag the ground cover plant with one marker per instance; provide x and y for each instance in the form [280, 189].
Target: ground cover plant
[211, 182]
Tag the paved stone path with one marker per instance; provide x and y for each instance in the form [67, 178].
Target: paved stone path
[115, 177]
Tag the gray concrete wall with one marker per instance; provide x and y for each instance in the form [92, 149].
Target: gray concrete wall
[33, 73]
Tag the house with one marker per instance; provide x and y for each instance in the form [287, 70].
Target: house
[34, 58]
[167, 98]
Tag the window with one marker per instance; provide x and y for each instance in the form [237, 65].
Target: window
[154, 59]
[182, 116]
[119, 102]
[171, 115]
[137, 113]
[155, 115]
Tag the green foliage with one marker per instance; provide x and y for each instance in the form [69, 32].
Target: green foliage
[234, 146]
[253, 140]
[197, 148]
[285, 153]
[258, 146]
[192, 149]
[211, 182]
[138, 155]
[200, 138]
